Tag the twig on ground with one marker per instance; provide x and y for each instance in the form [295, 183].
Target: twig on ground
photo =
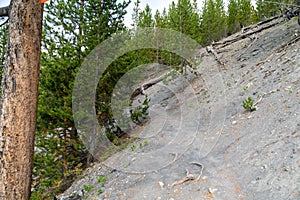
[201, 170]
[210, 49]
[190, 177]
[265, 94]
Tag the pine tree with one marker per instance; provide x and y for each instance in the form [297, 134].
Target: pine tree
[71, 30]
[241, 13]
[136, 14]
[184, 17]
[161, 19]
[145, 17]
[246, 13]
[19, 99]
[266, 9]
[233, 18]
[213, 24]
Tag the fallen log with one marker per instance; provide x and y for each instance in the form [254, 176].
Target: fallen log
[140, 90]
[246, 34]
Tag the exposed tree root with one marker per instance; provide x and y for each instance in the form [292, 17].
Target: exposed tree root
[201, 170]
[190, 177]
[210, 49]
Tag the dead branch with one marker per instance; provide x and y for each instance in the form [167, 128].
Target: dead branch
[247, 28]
[201, 170]
[210, 49]
[284, 46]
[189, 177]
[269, 20]
[253, 40]
[175, 156]
[247, 34]
[4, 11]
[142, 88]
[264, 95]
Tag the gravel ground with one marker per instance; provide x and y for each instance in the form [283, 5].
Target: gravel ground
[200, 128]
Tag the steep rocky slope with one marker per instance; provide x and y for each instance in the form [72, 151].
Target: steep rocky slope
[230, 153]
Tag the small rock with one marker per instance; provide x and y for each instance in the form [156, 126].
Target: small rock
[294, 151]
[264, 167]
[234, 122]
[286, 169]
[177, 191]
[212, 190]
[161, 184]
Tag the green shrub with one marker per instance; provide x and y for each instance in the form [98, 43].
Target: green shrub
[248, 104]
[140, 113]
[88, 187]
[101, 179]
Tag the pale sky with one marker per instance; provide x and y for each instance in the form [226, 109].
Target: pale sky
[4, 3]
[154, 5]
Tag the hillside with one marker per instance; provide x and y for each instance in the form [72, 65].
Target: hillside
[230, 153]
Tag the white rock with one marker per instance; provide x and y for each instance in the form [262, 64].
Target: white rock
[212, 190]
[161, 184]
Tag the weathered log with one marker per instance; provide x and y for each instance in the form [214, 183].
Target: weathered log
[210, 49]
[246, 34]
[140, 90]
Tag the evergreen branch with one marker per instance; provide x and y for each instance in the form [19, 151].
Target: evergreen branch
[4, 11]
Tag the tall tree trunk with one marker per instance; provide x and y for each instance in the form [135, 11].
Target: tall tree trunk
[19, 96]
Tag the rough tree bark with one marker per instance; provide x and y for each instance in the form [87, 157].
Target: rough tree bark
[19, 96]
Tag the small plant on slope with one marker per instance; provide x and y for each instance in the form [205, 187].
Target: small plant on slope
[248, 104]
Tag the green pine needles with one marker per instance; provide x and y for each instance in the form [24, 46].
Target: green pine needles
[248, 104]
[140, 113]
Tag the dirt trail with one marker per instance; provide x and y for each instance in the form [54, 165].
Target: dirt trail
[241, 155]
